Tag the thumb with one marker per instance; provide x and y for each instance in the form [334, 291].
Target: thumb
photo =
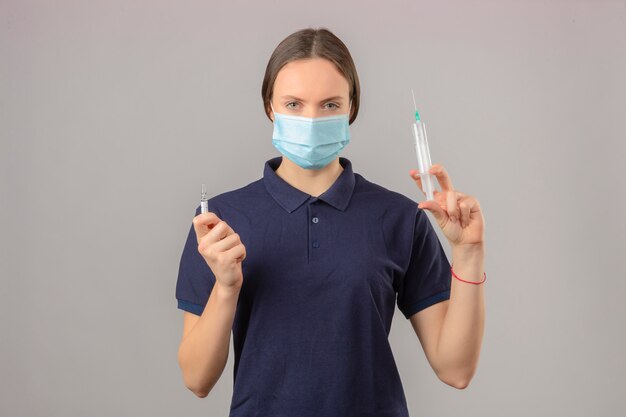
[432, 206]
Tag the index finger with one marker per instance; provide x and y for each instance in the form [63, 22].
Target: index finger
[204, 222]
[442, 177]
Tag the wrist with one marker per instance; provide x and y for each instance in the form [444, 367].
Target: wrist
[472, 251]
[227, 291]
[468, 262]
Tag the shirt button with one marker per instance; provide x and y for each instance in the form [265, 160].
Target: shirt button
[316, 244]
[315, 220]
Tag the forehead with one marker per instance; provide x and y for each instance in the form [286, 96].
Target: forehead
[311, 79]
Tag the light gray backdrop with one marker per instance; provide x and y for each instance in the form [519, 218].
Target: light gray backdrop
[114, 112]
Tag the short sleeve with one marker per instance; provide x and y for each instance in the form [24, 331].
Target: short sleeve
[428, 278]
[195, 278]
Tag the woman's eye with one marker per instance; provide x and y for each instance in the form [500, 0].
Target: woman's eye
[295, 103]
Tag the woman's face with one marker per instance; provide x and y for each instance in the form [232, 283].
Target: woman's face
[310, 88]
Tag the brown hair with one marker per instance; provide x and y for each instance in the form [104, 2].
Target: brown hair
[311, 43]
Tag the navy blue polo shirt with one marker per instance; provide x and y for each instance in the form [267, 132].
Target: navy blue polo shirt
[321, 280]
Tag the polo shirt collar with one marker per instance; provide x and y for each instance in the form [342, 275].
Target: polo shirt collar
[290, 198]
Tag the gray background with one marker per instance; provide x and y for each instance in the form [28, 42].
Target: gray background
[113, 113]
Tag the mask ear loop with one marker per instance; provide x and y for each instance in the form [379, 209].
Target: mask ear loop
[273, 111]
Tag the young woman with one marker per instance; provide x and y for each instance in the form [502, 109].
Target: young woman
[307, 263]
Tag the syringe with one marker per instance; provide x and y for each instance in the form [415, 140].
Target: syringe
[423, 154]
[204, 203]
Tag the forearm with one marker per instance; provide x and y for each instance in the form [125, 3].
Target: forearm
[461, 335]
[203, 352]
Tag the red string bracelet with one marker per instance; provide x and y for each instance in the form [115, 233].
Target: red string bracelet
[469, 282]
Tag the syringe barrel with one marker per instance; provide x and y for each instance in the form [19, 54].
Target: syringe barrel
[423, 158]
[421, 146]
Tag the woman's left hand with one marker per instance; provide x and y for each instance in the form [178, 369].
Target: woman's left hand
[457, 213]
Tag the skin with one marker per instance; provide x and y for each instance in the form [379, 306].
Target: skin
[204, 348]
[312, 82]
[450, 331]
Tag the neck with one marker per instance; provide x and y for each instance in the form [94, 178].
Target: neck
[310, 181]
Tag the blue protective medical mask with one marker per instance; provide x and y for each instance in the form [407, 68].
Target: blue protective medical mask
[311, 142]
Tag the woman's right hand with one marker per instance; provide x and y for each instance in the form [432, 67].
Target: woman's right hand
[221, 248]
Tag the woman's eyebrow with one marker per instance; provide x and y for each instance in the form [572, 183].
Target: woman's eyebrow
[326, 99]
